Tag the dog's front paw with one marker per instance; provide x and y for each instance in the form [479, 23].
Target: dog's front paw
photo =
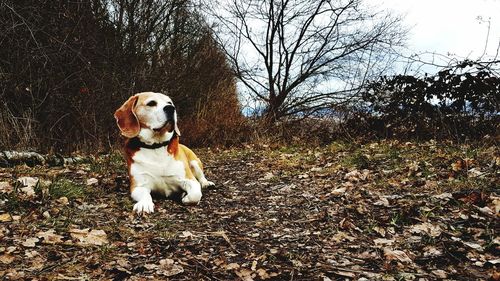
[207, 183]
[192, 198]
[144, 206]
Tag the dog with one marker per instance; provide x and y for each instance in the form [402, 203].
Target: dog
[156, 161]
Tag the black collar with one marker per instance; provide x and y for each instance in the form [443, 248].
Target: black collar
[138, 143]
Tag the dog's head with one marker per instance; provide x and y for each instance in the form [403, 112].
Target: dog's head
[150, 115]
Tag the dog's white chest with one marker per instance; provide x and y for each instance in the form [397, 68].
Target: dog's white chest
[156, 164]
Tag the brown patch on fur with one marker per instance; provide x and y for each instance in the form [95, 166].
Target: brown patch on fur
[130, 150]
[189, 173]
[173, 146]
[126, 119]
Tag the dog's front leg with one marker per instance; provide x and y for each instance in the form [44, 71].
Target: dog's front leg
[142, 195]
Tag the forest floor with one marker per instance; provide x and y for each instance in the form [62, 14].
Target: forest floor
[379, 211]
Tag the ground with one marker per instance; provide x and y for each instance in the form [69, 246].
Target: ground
[379, 211]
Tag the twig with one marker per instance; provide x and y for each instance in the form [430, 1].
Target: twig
[223, 235]
[52, 266]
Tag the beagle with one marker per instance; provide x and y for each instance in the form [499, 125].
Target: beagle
[155, 159]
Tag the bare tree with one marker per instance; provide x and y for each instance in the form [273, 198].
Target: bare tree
[303, 56]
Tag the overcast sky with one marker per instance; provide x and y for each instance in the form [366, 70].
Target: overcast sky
[449, 26]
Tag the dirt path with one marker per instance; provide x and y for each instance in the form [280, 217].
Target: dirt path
[342, 211]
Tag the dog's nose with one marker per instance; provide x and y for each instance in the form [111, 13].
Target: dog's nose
[169, 111]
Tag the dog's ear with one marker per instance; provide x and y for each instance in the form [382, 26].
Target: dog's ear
[126, 119]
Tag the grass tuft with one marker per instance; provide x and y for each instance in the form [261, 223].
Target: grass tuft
[66, 188]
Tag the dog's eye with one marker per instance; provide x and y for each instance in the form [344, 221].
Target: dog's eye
[151, 103]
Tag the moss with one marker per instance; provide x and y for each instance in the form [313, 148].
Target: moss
[66, 188]
[357, 160]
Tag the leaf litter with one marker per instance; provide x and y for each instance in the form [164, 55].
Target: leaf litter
[380, 211]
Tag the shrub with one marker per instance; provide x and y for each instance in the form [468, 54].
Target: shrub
[460, 102]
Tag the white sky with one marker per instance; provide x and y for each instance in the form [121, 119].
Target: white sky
[449, 26]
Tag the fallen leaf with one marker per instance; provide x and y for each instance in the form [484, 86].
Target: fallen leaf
[396, 255]
[461, 164]
[356, 176]
[382, 241]
[440, 273]
[495, 204]
[474, 173]
[426, 228]
[338, 191]
[474, 246]
[474, 197]
[63, 200]
[11, 249]
[263, 274]
[297, 263]
[494, 262]
[350, 275]
[6, 259]
[186, 234]
[30, 242]
[169, 268]
[342, 236]
[379, 230]
[46, 214]
[382, 202]
[13, 274]
[431, 251]
[268, 176]
[444, 196]
[6, 187]
[232, 266]
[245, 274]
[123, 263]
[37, 263]
[85, 237]
[28, 181]
[49, 237]
[31, 254]
[429, 184]
[5, 217]
[92, 181]
[495, 276]
[496, 241]
[150, 266]
[486, 210]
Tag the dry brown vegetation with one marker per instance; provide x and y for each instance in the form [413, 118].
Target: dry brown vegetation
[66, 66]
